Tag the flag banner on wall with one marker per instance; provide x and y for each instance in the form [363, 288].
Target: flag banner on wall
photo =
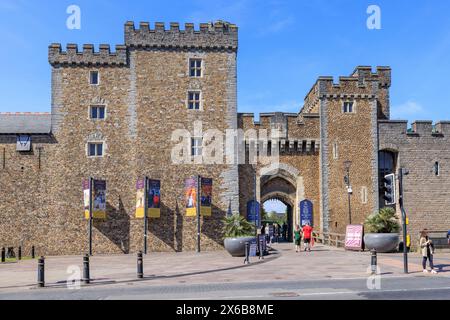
[306, 212]
[140, 199]
[99, 203]
[191, 197]
[154, 198]
[86, 198]
[206, 197]
[253, 213]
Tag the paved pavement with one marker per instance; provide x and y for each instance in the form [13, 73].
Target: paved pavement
[321, 274]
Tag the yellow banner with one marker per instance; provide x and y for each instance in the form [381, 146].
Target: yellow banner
[191, 212]
[191, 197]
[140, 199]
[206, 211]
[99, 214]
[154, 213]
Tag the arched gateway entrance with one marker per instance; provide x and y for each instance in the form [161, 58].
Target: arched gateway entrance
[282, 182]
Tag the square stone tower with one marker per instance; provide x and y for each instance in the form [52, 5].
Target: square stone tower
[161, 80]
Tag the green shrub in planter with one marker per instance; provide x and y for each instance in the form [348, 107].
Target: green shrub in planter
[236, 226]
[385, 221]
[237, 231]
[382, 231]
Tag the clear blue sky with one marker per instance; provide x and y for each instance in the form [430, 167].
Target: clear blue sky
[284, 46]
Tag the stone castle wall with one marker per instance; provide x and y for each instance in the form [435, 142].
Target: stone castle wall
[144, 88]
[354, 135]
[426, 195]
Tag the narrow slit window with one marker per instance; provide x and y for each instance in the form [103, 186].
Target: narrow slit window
[364, 195]
[349, 107]
[335, 151]
[94, 77]
[437, 169]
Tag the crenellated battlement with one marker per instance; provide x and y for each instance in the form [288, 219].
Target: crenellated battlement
[73, 57]
[361, 84]
[382, 75]
[218, 35]
[418, 128]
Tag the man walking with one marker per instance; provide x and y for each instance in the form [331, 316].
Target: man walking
[307, 235]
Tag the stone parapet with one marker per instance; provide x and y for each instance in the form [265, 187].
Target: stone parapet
[73, 57]
[213, 36]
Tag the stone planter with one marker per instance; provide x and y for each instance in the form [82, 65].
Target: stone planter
[236, 246]
[382, 242]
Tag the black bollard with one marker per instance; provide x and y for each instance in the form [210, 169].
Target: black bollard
[41, 272]
[247, 253]
[33, 253]
[86, 274]
[261, 247]
[140, 266]
[3, 254]
[373, 261]
[19, 255]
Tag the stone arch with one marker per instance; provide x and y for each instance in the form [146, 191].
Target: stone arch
[283, 182]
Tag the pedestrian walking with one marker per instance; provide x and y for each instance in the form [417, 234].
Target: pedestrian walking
[297, 238]
[284, 231]
[307, 235]
[267, 233]
[276, 230]
[427, 248]
[448, 237]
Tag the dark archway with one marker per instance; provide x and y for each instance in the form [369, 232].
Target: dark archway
[279, 188]
[287, 215]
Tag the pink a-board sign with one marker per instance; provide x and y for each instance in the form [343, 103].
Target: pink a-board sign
[354, 237]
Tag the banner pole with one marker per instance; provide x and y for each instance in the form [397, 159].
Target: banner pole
[199, 181]
[90, 215]
[145, 215]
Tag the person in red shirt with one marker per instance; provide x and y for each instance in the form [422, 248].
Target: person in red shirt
[307, 235]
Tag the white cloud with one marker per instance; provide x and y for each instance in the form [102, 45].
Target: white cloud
[407, 110]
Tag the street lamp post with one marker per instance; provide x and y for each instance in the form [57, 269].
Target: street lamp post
[347, 165]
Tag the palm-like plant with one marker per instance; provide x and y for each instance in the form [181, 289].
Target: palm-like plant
[236, 226]
[385, 221]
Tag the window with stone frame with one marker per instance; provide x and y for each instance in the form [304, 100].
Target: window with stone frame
[348, 107]
[97, 112]
[94, 77]
[95, 149]
[194, 102]
[195, 68]
[196, 146]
